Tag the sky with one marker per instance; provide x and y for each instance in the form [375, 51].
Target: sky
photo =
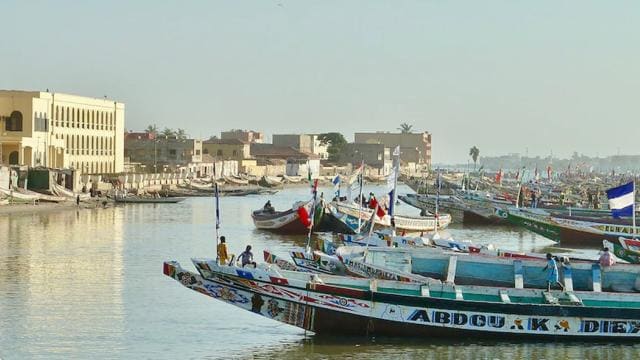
[505, 76]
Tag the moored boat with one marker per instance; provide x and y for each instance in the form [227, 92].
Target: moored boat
[326, 304]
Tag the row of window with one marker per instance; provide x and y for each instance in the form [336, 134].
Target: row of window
[93, 167]
[89, 145]
[65, 116]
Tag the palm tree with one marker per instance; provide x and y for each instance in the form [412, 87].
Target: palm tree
[181, 134]
[474, 152]
[151, 129]
[168, 132]
[406, 128]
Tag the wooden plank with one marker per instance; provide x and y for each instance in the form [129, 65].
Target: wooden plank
[459, 294]
[451, 269]
[424, 290]
[504, 297]
[518, 277]
[568, 279]
[596, 277]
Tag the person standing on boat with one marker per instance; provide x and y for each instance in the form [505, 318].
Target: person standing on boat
[246, 257]
[606, 259]
[223, 255]
[552, 272]
[534, 202]
[268, 208]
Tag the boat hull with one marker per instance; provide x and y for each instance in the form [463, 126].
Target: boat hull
[335, 310]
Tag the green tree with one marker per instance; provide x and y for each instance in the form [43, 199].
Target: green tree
[181, 134]
[474, 152]
[406, 128]
[168, 132]
[151, 129]
[335, 142]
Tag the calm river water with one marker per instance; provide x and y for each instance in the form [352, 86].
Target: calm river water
[89, 284]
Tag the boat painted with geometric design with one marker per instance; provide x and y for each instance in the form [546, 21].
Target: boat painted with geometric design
[341, 305]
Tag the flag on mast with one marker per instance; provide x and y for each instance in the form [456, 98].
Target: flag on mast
[622, 200]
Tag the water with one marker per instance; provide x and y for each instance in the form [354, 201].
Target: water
[89, 284]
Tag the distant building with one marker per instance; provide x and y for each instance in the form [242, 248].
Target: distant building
[376, 156]
[168, 154]
[229, 149]
[61, 131]
[297, 163]
[308, 143]
[248, 136]
[414, 147]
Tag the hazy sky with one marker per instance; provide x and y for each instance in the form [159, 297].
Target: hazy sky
[502, 75]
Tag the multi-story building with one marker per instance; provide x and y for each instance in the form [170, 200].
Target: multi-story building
[414, 147]
[375, 156]
[248, 136]
[167, 154]
[227, 149]
[61, 131]
[308, 143]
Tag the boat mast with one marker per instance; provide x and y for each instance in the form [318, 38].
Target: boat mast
[360, 181]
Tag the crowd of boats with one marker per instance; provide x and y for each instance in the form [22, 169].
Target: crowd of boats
[387, 274]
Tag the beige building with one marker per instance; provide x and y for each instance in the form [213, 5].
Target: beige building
[61, 131]
[248, 136]
[308, 143]
[227, 149]
[414, 147]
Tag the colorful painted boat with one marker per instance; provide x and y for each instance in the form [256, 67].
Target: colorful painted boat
[510, 271]
[340, 305]
[577, 233]
[282, 222]
[625, 249]
[402, 223]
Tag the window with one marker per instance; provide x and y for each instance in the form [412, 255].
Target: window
[14, 122]
[235, 152]
[172, 152]
[40, 122]
[205, 151]
[219, 153]
[197, 152]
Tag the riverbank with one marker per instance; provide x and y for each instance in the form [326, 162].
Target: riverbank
[47, 207]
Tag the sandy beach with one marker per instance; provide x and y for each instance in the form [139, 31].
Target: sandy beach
[44, 207]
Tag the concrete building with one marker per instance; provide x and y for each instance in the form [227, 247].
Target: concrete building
[227, 149]
[248, 136]
[61, 131]
[375, 156]
[308, 143]
[167, 154]
[414, 148]
[297, 163]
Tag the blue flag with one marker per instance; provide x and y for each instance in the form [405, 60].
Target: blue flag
[622, 200]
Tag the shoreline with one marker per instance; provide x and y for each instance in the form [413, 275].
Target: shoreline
[46, 207]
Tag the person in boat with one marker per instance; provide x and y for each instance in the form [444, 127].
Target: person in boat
[223, 255]
[246, 258]
[606, 258]
[268, 208]
[534, 202]
[372, 202]
[552, 272]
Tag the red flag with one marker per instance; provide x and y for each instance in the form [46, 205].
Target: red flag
[304, 216]
[380, 211]
[549, 172]
[499, 177]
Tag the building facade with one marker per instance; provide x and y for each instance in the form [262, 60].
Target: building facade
[375, 156]
[248, 136]
[61, 131]
[167, 154]
[230, 149]
[300, 142]
[414, 147]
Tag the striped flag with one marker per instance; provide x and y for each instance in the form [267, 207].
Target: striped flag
[622, 200]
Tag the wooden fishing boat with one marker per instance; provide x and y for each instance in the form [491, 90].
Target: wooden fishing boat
[402, 223]
[282, 222]
[235, 180]
[341, 305]
[270, 181]
[512, 271]
[625, 249]
[577, 233]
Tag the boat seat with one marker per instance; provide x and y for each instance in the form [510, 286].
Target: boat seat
[549, 299]
[451, 269]
[504, 297]
[518, 277]
[596, 278]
